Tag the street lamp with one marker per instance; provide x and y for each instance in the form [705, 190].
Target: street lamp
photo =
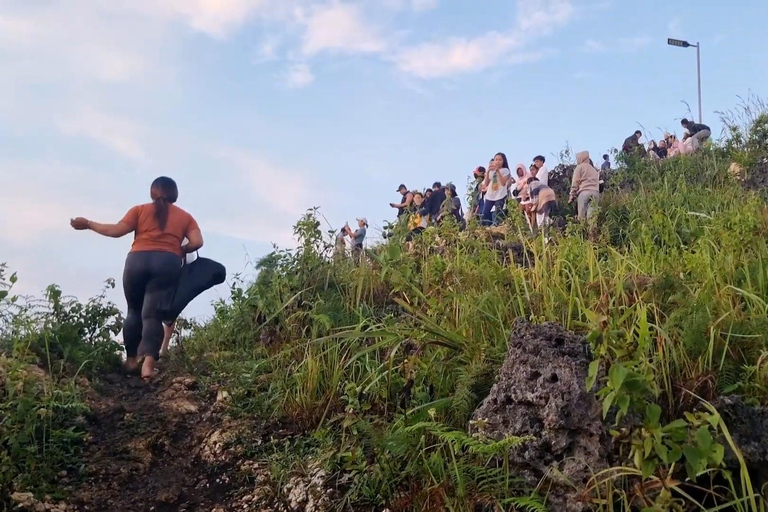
[686, 44]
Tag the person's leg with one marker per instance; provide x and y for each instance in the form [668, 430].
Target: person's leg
[167, 335]
[592, 203]
[582, 200]
[501, 211]
[487, 216]
[699, 138]
[165, 270]
[134, 284]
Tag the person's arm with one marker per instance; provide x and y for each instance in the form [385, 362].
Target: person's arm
[127, 224]
[503, 179]
[111, 230]
[575, 183]
[194, 241]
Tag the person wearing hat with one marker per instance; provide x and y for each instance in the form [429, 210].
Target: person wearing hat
[405, 201]
[357, 236]
[476, 199]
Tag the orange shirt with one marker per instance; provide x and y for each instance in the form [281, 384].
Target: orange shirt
[149, 237]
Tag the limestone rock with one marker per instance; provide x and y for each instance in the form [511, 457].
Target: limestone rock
[541, 392]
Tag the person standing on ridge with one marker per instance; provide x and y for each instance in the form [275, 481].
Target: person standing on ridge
[606, 165]
[152, 268]
[477, 195]
[542, 174]
[495, 184]
[433, 204]
[405, 203]
[697, 132]
[585, 186]
[358, 237]
[632, 145]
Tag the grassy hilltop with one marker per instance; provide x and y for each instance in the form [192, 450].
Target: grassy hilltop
[362, 379]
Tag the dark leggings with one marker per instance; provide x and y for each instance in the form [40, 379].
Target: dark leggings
[494, 218]
[148, 279]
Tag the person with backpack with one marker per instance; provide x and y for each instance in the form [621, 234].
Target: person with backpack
[152, 268]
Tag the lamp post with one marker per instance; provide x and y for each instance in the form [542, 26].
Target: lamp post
[685, 44]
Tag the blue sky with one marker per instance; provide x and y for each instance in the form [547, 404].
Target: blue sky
[261, 109]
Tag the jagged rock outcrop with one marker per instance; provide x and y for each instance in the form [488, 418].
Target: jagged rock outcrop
[749, 428]
[540, 392]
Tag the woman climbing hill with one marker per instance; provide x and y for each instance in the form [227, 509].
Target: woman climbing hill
[152, 267]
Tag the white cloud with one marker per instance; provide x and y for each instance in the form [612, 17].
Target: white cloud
[537, 17]
[120, 135]
[435, 60]
[339, 27]
[299, 75]
[622, 44]
[452, 56]
[215, 18]
[592, 46]
[414, 5]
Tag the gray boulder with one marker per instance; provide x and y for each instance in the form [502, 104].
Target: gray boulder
[541, 392]
[748, 427]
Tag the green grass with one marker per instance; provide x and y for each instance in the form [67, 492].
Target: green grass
[379, 364]
[375, 369]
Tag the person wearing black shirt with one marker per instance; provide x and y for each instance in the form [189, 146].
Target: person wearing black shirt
[697, 132]
[406, 201]
[632, 144]
[433, 205]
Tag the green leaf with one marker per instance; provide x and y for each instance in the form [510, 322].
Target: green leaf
[693, 458]
[608, 402]
[623, 403]
[652, 415]
[717, 454]
[675, 453]
[647, 446]
[703, 439]
[3, 294]
[662, 452]
[616, 375]
[675, 425]
[594, 366]
[649, 467]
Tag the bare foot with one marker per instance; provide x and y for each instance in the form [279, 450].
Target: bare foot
[148, 369]
[131, 365]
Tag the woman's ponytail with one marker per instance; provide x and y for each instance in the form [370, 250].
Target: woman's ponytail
[161, 212]
[166, 192]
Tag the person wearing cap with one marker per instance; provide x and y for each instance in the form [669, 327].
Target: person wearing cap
[405, 201]
[357, 236]
[478, 194]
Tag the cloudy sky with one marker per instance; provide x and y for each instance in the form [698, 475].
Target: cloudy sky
[261, 109]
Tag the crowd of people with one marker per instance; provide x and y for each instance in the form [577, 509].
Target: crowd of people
[497, 189]
[696, 134]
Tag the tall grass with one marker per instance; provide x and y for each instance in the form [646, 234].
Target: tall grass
[377, 363]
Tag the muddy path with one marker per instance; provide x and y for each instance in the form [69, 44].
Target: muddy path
[154, 447]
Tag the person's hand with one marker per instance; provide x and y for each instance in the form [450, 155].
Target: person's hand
[79, 223]
[570, 200]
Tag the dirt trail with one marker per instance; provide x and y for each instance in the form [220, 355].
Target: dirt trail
[153, 447]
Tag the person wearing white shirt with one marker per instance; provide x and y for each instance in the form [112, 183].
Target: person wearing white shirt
[496, 191]
[541, 174]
